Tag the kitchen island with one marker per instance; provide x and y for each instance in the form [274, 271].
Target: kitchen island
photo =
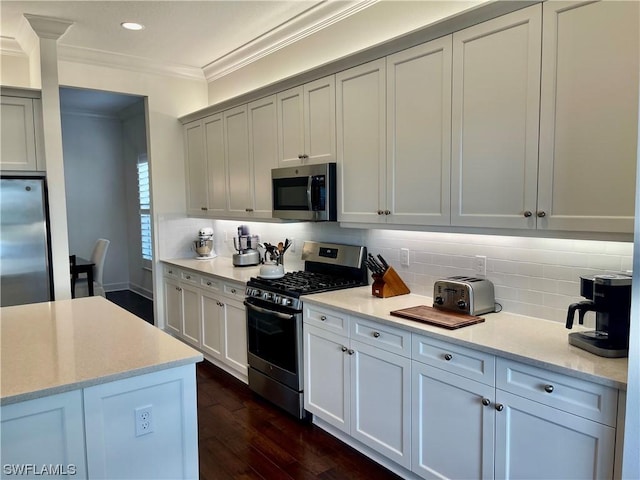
[89, 390]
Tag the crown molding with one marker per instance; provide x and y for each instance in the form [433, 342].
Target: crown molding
[11, 47]
[48, 27]
[126, 62]
[305, 24]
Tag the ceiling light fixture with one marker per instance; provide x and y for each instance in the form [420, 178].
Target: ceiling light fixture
[132, 25]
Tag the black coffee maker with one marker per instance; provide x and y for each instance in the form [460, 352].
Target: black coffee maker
[609, 296]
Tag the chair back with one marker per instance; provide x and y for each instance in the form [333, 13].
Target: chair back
[97, 258]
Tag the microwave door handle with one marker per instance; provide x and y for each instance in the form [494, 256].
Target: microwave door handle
[309, 188]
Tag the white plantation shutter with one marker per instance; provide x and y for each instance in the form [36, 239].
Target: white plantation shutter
[144, 196]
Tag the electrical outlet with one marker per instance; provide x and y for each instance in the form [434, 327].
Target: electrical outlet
[480, 266]
[404, 257]
[144, 420]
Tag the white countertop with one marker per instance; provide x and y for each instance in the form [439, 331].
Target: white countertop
[532, 340]
[54, 347]
[538, 342]
[219, 267]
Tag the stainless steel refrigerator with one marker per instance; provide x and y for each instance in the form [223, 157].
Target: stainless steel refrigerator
[25, 252]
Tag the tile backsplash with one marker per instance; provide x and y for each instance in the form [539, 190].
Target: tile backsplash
[537, 277]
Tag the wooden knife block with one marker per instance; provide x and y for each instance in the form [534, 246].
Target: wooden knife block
[388, 285]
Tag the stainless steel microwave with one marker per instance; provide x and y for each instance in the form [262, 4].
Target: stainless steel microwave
[307, 192]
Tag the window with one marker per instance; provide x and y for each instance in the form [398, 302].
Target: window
[144, 197]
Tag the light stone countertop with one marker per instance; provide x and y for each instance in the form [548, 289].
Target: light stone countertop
[221, 267]
[538, 342]
[53, 347]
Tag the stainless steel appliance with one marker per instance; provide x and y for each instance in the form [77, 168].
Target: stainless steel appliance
[203, 246]
[307, 192]
[246, 246]
[25, 252]
[274, 319]
[609, 296]
[469, 295]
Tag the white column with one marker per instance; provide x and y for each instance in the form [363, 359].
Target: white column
[49, 30]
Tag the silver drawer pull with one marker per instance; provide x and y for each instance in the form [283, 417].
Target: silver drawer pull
[376, 334]
[188, 277]
[499, 407]
[233, 290]
[448, 356]
[344, 349]
[548, 388]
[323, 318]
[209, 284]
[351, 351]
[486, 402]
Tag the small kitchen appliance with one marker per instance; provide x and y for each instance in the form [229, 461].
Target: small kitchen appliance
[203, 246]
[469, 295]
[274, 319]
[246, 246]
[609, 296]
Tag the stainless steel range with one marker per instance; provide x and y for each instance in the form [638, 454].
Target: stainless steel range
[274, 318]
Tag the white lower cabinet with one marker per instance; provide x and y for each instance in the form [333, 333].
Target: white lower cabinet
[361, 389]
[208, 313]
[446, 411]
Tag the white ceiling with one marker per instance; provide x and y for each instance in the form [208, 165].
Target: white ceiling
[187, 36]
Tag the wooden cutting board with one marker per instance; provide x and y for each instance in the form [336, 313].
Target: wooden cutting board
[441, 318]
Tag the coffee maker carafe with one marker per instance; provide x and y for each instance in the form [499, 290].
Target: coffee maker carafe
[609, 296]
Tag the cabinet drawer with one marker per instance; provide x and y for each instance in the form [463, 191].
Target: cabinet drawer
[462, 361]
[234, 290]
[573, 395]
[329, 319]
[171, 271]
[388, 338]
[210, 283]
[190, 277]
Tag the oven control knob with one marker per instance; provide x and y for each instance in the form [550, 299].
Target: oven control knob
[275, 298]
[267, 295]
[287, 302]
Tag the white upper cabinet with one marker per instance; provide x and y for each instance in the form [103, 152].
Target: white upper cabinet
[21, 132]
[496, 96]
[307, 123]
[589, 116]
[216, 168]
[196, 164]
[263, 153]
[419, 134]
[236, 132]
[361, 126]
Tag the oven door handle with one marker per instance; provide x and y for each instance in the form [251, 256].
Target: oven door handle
[269, 312]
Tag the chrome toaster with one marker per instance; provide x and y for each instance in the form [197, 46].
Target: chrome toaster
[469, 295]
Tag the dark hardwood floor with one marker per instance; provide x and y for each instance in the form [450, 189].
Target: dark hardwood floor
[242, 436]
[134, 303]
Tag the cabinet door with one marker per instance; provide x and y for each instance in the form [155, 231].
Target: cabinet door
[589, 116]
[236, 131]
[537, 441]
[212, 325]
[216, 168]
[235, 336]
[196, 164]
[419, 134]
[45, 432]
[173, 306]
[495, 112]
[448, 411]
[290, 127]
[191, 314]
[263, 152]
[320, 120]
[327, 376]
[361, 139]
[18, 134]
[381, 401]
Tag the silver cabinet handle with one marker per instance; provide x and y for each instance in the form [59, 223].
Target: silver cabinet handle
[376, 334]
[542, 213]
[448, 356]
[204, 209]
[323, 318]
[548, 388]
[233, 290]
[178, 289]
[387, 212]
[344, 349]
[248, 209]
[486, 402]
[188, 277]
[209, 284]
[351, 351]
[380, 212]
[499, 407]
[528, 213]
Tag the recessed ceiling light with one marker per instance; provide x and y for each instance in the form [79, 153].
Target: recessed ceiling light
[132, 25]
